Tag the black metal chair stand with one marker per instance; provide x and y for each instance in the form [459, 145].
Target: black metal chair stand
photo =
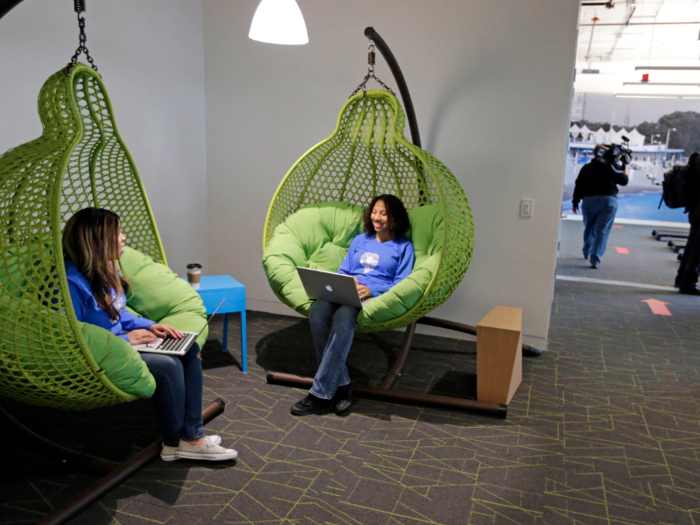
[113, 473]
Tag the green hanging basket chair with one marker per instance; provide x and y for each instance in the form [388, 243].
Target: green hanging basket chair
[316, 212]
[47, 357]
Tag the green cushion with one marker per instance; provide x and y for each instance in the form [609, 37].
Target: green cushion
[157, 293]
[319, 235]
[119, 361]
[116, 358]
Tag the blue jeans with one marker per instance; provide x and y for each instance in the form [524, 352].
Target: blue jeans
[333, 329]
[178, 396]
[598, 217]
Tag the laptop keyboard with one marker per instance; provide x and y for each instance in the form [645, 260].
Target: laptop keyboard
[171, 344]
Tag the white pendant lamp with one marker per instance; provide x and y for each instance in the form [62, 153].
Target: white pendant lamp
[279, 22]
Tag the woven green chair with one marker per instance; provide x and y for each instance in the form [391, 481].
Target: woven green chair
[79, 161]
[47, 357]
[316, 213]
[368, 155]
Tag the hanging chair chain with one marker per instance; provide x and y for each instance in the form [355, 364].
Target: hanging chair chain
[82, 48]
[370, 73]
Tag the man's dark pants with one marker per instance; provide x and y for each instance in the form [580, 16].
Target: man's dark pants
[687, 275]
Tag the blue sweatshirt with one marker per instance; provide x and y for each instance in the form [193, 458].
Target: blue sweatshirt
[88, 311]
[378, 265]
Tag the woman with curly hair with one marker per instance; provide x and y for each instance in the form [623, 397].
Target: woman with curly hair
[378, 259]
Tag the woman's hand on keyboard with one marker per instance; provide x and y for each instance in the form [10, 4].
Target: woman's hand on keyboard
[140, 337]
[163, 330]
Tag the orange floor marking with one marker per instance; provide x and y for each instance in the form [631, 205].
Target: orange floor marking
[657, 307]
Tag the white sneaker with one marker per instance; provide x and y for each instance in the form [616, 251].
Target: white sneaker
[214, 440]
[170, 453]
[207, 451]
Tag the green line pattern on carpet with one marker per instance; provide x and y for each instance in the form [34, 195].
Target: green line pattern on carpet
[605, 429]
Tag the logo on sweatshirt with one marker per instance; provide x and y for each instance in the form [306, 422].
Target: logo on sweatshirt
[369, 261]
[119, 304]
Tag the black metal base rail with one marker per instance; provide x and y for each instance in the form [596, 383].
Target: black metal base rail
[401, 396]
[116, 472]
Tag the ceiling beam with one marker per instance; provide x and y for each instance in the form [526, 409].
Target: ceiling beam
[667, 68]
[641, 24]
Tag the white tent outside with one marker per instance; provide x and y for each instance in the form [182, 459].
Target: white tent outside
[616, 136]
[587, 134]
[600, 136]
[636, 138]
[575, 133]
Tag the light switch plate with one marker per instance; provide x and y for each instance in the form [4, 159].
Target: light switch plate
[527, 207]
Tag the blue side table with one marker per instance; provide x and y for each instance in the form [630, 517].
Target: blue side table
[215, 288]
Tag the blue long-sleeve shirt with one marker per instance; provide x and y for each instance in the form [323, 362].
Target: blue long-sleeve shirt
[88, 311]
[378, 265]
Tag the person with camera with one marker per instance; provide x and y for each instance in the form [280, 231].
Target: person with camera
[596, 185]
[687, 276]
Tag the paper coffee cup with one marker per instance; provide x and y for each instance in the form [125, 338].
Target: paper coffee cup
[194, 274]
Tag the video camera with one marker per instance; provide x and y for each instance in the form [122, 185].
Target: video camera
[618, 155]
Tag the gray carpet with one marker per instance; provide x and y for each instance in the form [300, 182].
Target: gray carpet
[605, 429]
[649, 261]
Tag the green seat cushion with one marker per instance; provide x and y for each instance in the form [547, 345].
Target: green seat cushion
[119, 361]
[158, 294]
[319, 235]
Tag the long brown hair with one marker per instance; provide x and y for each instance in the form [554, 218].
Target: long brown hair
[91, 242]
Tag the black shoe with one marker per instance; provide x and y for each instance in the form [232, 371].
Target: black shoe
[343, 398]
[529, 351]
[594, 266]
[694, 290]
[309, 405]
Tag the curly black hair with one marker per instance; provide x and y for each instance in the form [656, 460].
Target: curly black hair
[397, 217]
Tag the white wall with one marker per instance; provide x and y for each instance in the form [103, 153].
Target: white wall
[151, 56]
[479, 73]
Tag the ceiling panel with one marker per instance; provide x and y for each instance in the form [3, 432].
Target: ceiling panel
[614, 41]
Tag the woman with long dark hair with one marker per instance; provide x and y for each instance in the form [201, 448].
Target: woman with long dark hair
[378, 259]
[92, 247]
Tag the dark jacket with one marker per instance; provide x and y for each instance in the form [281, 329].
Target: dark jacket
[598, 178]
[692, 189]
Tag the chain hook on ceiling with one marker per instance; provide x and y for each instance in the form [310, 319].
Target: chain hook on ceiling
[79, 7]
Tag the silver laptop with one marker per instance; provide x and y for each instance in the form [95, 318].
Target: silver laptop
[170, 345]
[332, 287]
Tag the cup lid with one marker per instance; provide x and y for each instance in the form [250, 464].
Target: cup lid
[193, 266]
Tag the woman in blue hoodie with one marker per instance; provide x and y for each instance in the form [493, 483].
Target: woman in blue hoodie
[378, 259]
[92, 246]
